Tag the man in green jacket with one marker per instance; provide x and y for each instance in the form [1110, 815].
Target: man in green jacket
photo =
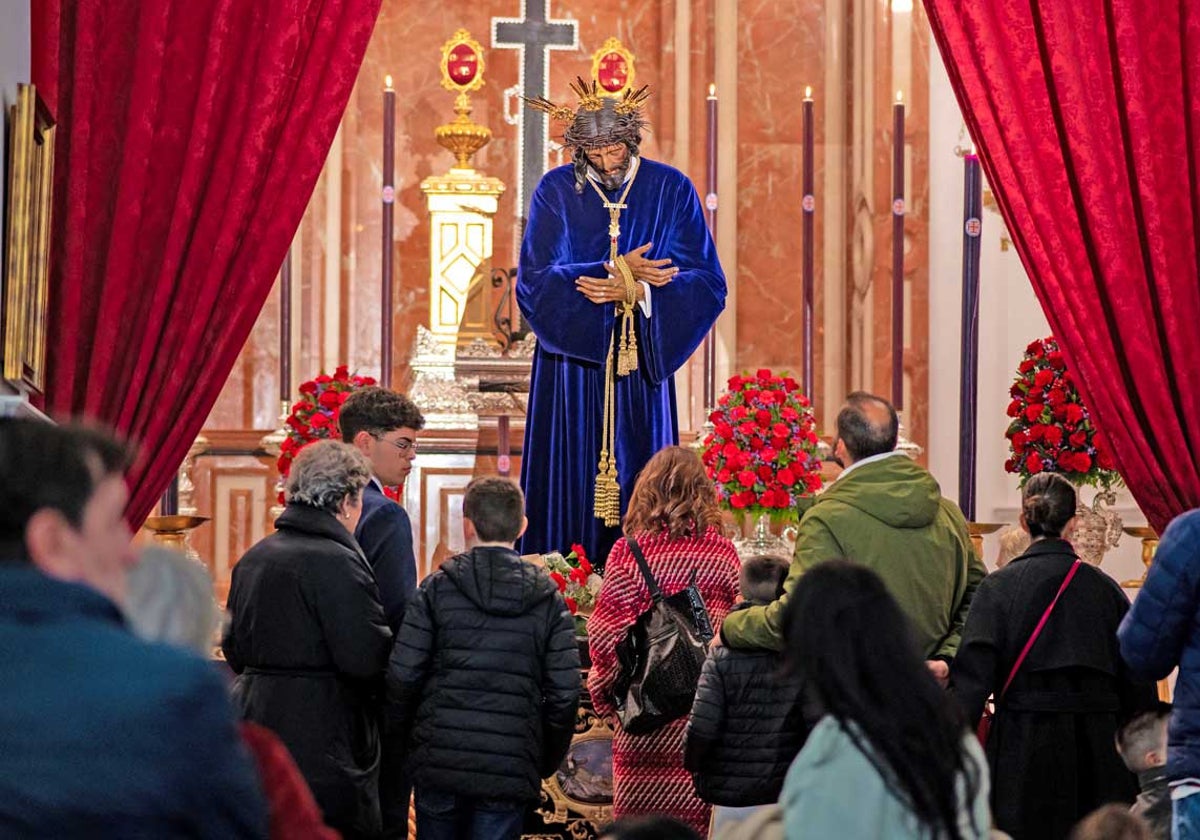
[885, 512]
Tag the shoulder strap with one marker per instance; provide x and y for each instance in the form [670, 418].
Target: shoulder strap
[655, 592]
[1037, 630]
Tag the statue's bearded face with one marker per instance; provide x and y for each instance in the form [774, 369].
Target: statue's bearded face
[611, 163]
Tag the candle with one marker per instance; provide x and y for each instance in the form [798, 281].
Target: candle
[898, 253]
[285, 330]
[503, 459]
[710, 206]
[169, 504]
[969, 382]
[389, 197]
[809, 205]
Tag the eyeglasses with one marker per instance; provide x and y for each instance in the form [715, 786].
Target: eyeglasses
[404, 444]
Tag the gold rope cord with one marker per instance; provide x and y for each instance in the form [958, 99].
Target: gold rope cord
[607, 502]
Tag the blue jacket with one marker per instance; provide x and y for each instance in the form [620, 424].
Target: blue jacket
[385, 535]
[104, 735]
[1159, 633]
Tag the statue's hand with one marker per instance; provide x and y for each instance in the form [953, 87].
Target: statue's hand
[611, 289]
[654, 272]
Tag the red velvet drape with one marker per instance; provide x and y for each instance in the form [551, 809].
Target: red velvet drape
[191, 135]
[1087, 115]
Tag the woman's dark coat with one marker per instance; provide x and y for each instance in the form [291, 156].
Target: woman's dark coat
[310, 643]
[1050, 751]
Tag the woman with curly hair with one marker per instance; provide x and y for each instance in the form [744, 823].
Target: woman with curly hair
[674, 518]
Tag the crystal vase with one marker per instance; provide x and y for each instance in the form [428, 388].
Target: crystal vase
[1097, 528]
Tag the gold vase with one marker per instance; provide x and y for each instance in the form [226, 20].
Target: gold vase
[174, 532]
[1149, 538]
[979, 530]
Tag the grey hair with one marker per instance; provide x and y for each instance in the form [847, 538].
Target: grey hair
[325, 474]
[170, 599]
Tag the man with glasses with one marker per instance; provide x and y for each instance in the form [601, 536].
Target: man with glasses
[383, 425]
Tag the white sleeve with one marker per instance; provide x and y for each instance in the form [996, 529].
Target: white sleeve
[647, 309]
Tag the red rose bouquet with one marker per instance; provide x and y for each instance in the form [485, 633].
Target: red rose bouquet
[315, 415]
[576, 580]
[762, 452]
[1051, 429]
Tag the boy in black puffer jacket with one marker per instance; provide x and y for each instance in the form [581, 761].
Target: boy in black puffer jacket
[747, 722]
[484, 682]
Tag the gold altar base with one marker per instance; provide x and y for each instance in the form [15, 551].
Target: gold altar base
[979, 530]
[1149, 538]
[174, 532]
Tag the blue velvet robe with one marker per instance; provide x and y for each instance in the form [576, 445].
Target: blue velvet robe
[567, 237]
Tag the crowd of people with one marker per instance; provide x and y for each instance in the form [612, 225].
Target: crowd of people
[842, 694]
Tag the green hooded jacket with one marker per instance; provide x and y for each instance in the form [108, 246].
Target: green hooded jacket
[888, 515]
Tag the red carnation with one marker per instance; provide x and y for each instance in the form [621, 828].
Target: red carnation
[1075, 413]
[780, 430]
[579, 576]
[735, 382]
[1016, 391]
[764, 374]
[746, 478]
[790, 414]
[723, 429]
[731, 450]
[1033, 412]
[724, 475]
[1056, 396]
[559, 581]
[757, 443]
[329, 399]
[748, 429]
[1056, 360]
[585, 564]
[790, 384]
[1010, 465]
[766, 473]
[308, 387]
[1026, 366]
[786, 477]
[1078, 439]
[1054, 435]
[1014, 408]
[1033, 462]
[320, 420]
[1019, 441]
[738, 412]
[323, 379]
[779, 443]
[342, 373]
[1035, 349]
[738, 500]
[572, 606]
[1083, 462]
[1043, 378]
[579, 551]
[1037, 431]
[763, 417]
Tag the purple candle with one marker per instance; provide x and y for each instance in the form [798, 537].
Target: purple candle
[969, 384]
[285, 329]
[808, 205]
[389, 198]
[898, 253]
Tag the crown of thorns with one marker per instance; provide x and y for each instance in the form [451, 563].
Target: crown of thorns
[598, 120]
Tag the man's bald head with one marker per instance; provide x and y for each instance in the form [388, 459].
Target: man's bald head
[867, 425]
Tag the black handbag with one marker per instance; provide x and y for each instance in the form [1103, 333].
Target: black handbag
[661, 656]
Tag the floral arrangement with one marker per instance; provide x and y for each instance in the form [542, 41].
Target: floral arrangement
[1051, 428]
[315, 415]
[575, 578]
[762, 452]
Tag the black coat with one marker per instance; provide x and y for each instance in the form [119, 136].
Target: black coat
[310, 643]
[1050, 750]
[747, 725]
[484, 682]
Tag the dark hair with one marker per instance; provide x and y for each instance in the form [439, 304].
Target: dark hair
[47, 466]
[648, 828]
[761, 578]
[862, 426]
[1048, 501]
[673, 495]
[496, 507]
[1111, 822]
[1141, 734]
[846, 636]
[377, 411]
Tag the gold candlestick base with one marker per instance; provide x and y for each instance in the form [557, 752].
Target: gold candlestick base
[979, 530]
[174, 532]
[1149, 538]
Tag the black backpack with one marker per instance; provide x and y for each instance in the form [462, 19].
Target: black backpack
[661, 656]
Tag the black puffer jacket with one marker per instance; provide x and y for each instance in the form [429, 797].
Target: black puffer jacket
[747, 725]
[484, 681]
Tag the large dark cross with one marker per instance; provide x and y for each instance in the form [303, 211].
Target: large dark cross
[534, 34]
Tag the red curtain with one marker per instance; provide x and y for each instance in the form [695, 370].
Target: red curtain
[191, 135]
[1087, 116]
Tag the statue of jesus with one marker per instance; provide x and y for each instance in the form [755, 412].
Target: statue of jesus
[619, 279]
